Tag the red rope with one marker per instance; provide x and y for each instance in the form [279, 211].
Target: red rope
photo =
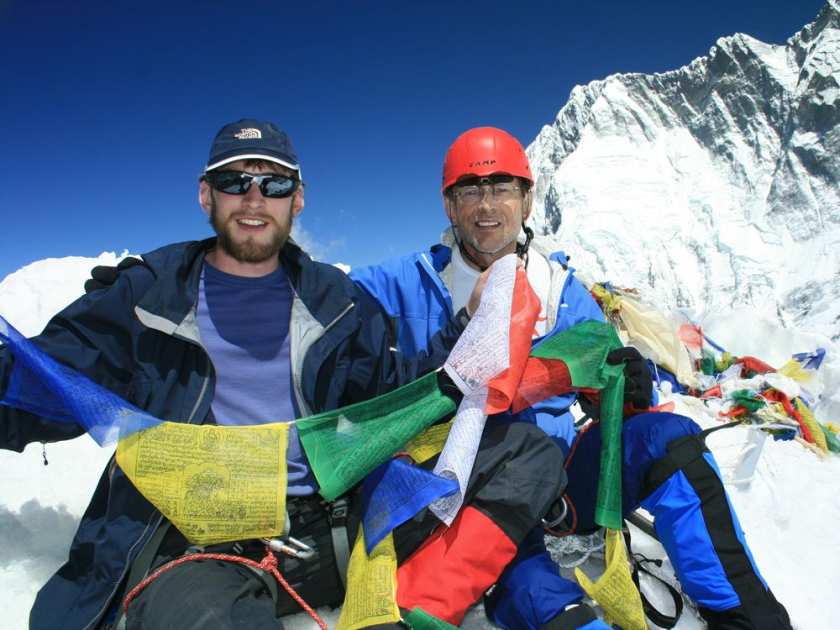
[268, 564]
[576, 441]
[569, 457]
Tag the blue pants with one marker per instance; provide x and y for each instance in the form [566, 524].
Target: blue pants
[666, 470]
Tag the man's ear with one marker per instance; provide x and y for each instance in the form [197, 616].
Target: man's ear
[204, 197]
[527, 204]
[297, 201]
[449, 208]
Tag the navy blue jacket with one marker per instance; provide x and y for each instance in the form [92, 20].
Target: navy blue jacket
[139, 338]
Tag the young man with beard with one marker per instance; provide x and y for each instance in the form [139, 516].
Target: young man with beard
[241, 329]
[487, 198]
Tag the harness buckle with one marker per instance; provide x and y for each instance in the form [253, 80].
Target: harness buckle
[290, 546]
[558, 520]
[339, 510]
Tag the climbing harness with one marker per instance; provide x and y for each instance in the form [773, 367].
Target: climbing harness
[290, 546]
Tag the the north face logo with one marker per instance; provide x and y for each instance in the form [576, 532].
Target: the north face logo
[248, 134]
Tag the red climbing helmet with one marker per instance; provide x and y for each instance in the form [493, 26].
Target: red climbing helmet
[483, 151]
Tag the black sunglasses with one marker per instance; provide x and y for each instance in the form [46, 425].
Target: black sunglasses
[238, 183]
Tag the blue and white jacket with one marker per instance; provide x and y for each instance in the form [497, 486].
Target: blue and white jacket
[414, 292]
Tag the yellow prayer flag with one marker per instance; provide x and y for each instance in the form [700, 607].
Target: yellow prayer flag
[429, 443]
[614, 590]
[371, 596]
[793, 369]
[811, 422]
[611, 302]
[214, 483]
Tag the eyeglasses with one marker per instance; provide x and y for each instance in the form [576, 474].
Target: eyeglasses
[471, 191]
[271, 185]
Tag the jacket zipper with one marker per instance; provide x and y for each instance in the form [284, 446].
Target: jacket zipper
[303, 407]
[434, 276]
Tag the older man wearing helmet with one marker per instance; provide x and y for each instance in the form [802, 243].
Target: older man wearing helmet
[487, 198]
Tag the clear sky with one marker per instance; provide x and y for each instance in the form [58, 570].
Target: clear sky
[107, 109]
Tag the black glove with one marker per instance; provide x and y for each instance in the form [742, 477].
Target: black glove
[448, 387]
[638, 383]
[103, 276]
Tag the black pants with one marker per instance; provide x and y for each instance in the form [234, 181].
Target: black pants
[518, 474]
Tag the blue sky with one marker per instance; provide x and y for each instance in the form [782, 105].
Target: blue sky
[107, 109]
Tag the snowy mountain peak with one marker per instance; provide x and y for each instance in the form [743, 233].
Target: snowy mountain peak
[711, 186]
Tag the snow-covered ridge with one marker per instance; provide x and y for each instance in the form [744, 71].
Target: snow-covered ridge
[711, 186]
[30, 296]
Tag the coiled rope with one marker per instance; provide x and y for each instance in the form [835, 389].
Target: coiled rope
[268, 564]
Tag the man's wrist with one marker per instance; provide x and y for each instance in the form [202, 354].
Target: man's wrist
[463, 317]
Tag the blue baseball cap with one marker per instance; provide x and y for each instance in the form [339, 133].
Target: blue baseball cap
[250, 139]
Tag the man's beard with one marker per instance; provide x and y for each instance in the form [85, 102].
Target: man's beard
[249, 250]
[466, 239]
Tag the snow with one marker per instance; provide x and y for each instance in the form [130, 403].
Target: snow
[790, 510]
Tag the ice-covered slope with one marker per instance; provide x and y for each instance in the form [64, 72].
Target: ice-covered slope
[711, 186]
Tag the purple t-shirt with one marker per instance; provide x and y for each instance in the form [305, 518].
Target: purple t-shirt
[244, 325]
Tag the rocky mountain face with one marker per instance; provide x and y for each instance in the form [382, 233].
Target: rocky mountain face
[709, 187]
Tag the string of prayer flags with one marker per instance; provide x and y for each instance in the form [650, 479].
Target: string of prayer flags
[214, 483]
[41, 385]
[346, 444]
[396, 491]
[486, 364]
[583, 349]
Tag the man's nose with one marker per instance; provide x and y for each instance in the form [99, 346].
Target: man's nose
[254, 195]
[485, 196]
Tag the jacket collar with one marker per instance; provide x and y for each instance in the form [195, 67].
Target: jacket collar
[169, 304]
[325, 290]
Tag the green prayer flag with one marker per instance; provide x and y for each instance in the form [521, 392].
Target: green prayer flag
[346, 444]
[419, 619]
[748, 400]
[830, 439]
[584, 349]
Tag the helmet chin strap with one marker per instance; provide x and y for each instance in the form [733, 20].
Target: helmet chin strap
[522, 248]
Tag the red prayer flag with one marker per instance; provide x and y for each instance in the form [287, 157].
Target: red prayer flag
[524, 311]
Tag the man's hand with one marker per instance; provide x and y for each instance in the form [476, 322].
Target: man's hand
[478, 289]
[103, 276]
[638, 383]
